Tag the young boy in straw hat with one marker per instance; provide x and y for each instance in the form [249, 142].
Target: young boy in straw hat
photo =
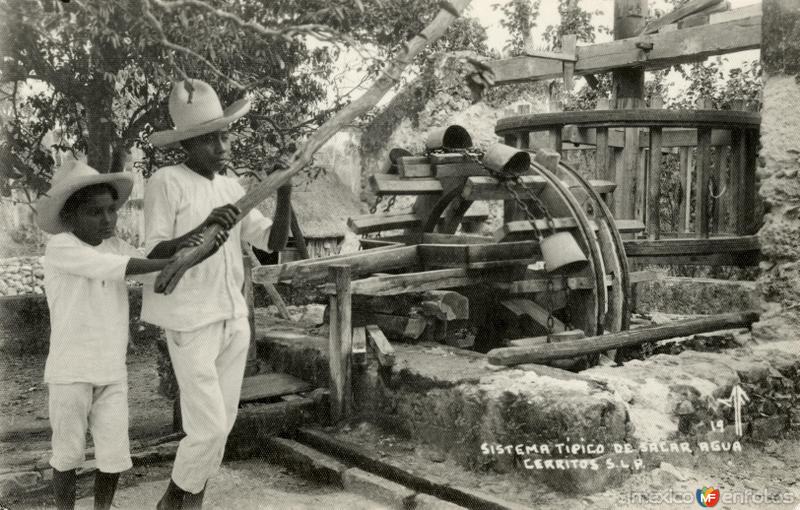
[85, 266]
[205, 317]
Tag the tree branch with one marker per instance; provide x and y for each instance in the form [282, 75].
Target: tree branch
[171, 275]
[322, 32]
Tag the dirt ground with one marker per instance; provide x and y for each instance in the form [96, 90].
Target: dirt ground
[771, 468]
[23, 402]
[241, 485]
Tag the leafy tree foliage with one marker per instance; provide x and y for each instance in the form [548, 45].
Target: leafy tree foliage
[519, 18]
[102, 71]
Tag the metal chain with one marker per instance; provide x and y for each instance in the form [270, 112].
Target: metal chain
[374, 208]
[567, 314]
[390, 203]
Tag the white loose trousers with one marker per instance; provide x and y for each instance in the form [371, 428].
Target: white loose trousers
[209, 365]
[76, 407]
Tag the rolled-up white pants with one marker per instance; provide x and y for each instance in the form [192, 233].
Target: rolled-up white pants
[209, 365]
[76, 407]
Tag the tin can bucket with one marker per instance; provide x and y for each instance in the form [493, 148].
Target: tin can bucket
[560, 251]
[450, 137]
[504, 158]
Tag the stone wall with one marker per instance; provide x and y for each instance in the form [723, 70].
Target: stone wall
[779, 164]
[25, 323]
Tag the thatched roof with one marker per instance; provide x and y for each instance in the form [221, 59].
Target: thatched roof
[322, 205]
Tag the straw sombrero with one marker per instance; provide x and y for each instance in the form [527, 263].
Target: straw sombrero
[197, 113]
[66, 181]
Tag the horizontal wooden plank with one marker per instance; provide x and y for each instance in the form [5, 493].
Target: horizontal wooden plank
[746, 259]
[522, 229]
[265, 386]
[366, 262]
[630, 118]
[390, 285]
[473, 255]
[435, 237]
[575, 348]
[668, 48]
[713, 245]
[602, 186]
[541, 281]
[379, 222]
[489, 188]
[746, 11]
[681, 12]
[464, 169]
[629, 226]
[390, 185]
[414, 166]
[671, 137]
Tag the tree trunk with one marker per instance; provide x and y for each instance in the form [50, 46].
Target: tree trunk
[99, 116]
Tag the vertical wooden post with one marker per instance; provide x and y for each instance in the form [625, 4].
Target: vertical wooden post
[654, 185]
[340, 342]
[603, 170]
[722, 204]
[748, 203]
[568, 45]
[686, 187]
[738, 170]
[702, 168]
[251, 368]
[640, 186]
[628, 92]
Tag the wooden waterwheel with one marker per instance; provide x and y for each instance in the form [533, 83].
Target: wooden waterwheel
[450, 186]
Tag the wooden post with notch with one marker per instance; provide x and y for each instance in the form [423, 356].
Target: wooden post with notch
[628, 92]
[340, 342]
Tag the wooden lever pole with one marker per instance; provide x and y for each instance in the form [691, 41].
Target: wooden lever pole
[450, 10]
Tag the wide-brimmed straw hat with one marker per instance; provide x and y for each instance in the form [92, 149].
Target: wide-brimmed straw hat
[197, 113]
[66, 181]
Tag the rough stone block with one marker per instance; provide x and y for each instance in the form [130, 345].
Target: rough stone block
[305, 460]
[428, 502]
[679, 295]
[378, 489]
[768, 428]
[14, 484]
[614, 468]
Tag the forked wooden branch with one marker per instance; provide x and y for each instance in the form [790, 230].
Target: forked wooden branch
[451, 9]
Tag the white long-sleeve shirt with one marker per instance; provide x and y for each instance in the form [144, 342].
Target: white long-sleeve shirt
[88, 300]
[176, 201]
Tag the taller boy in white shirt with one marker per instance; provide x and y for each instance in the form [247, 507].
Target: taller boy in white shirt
[205, 317]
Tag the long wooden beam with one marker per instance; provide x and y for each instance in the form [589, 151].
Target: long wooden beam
[574, 348]
[369, 261]
[643, 248]
[390, 285]
[675, 137]
[668, 48]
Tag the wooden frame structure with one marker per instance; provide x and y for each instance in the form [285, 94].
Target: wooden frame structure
[629, 155]
[430, 256]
